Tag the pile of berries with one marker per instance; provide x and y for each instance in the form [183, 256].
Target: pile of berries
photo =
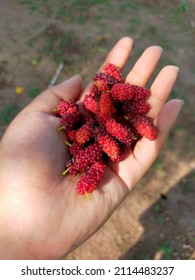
[115, 119]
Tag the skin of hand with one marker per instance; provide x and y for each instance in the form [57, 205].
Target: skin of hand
[41, 215]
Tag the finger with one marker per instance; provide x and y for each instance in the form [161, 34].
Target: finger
[161, 88]
[50, 98]
[145, 152]
[144, 67]
[119, 53]
[117, 56]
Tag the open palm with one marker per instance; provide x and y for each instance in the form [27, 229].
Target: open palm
[41, 213]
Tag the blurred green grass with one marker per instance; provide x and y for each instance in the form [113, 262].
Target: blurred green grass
[8, 113]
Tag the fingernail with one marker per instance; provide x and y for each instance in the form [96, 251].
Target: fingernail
[181, 102]
[177, 68]
[158, 47]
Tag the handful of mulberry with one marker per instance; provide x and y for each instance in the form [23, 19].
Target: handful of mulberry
[115, 119]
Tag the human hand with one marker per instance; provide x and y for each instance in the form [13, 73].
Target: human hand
[41, 215]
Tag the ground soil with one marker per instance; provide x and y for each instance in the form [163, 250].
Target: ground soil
[157, 220]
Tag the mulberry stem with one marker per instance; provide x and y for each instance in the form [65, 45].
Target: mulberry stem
[60, 128]
[66, 171]
[88, 195]
[67, 143]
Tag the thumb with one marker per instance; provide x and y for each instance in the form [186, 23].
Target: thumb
[51, 97]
